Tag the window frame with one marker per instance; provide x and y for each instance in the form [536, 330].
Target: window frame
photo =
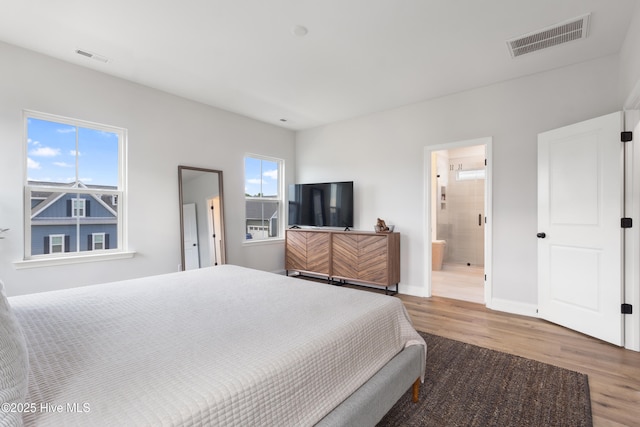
[77, 210]
[51, 244]
[279, 199]
[121, 251]
[102, 242]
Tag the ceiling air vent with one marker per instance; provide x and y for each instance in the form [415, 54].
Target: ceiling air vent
[563, 32]
[92, 55]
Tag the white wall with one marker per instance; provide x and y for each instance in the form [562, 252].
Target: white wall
[630, 59]
[164, 132]
[383, 154]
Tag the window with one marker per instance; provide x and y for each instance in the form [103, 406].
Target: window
[263, 197]
[56, 244]
[471, 174]
[97, 241]
[73, 187]
[78, 208]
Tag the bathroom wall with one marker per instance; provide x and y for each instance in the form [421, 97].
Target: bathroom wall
[460, 209]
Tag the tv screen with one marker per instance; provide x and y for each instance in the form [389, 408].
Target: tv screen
[328, 204]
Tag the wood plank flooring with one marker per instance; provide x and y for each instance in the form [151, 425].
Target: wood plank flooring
[459, 281]
[614, 373]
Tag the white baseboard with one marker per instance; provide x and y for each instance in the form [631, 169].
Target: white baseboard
[415, 291]
[513, 307]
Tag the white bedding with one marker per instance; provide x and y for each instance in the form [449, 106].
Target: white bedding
[223, 346]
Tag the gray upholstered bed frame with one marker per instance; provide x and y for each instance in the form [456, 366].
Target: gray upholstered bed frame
[376, 397]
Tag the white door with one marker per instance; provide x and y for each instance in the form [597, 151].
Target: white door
[215, 235]
[191, 252]
[580, 244]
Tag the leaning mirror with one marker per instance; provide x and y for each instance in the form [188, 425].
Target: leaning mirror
[201, 217]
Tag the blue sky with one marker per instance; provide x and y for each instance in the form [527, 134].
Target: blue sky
[261, 176]
[52, 154]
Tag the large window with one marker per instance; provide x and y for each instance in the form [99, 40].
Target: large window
[263, 194]
[74, 187]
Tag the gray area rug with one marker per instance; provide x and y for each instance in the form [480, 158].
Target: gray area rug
[467, 385]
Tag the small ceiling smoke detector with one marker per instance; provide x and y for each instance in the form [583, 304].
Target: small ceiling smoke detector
[573, 29]
[92, 55]
[299, 31]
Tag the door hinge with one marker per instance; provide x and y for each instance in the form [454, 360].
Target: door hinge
[626, 136]
[626, 222]
[627, 309]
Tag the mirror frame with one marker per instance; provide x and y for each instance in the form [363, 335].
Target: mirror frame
[223, 248]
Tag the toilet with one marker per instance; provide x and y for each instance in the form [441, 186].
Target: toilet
[437, 254]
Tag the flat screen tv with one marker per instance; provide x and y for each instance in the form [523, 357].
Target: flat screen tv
[327, 204]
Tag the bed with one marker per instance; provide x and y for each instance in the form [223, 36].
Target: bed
[223, 345]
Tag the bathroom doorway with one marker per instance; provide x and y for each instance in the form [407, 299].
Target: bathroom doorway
[459, 220]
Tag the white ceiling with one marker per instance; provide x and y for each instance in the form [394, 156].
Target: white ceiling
[359, 56]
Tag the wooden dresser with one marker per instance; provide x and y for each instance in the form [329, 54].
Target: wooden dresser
[345, 256]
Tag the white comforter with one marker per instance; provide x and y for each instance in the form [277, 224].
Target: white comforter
[218, 346]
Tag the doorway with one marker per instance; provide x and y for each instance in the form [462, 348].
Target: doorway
[459, 191]
[214, 222]
[190, 236]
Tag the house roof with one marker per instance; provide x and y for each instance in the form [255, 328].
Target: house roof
[50, 197]
[351, 58]
[257, 210]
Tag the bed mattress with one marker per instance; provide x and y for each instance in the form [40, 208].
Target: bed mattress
[224, 346]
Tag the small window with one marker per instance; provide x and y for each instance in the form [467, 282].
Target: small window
[97, 241]
[74, 186]
[56, 244]
[78, 208]
[263, 198]
[471, 174]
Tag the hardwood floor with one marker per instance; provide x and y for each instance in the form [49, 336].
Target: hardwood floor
[614, 373]
[459, 281]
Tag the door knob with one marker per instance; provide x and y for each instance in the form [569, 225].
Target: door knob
[541, 235]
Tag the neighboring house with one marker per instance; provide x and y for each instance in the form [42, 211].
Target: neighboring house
[64, 221]
[262, 219]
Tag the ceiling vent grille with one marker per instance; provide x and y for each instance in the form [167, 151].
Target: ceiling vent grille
[564, 32]
[92, 55]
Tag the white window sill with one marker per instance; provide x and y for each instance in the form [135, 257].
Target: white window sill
[275, 240]
[73, 259]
